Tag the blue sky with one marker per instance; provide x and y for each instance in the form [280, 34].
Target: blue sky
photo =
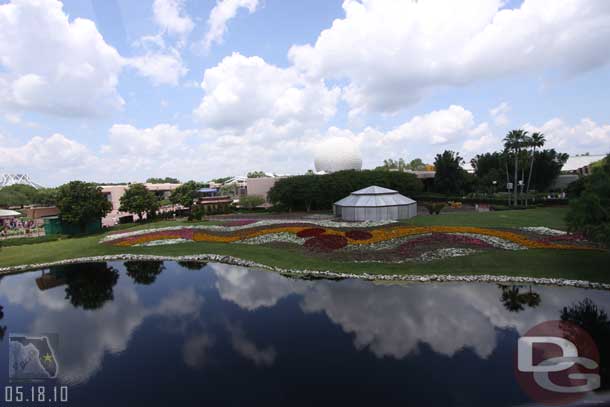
[113, 90]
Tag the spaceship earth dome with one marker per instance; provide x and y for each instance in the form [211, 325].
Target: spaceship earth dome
[337, 154]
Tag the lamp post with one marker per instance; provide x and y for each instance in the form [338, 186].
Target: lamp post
[493, 188]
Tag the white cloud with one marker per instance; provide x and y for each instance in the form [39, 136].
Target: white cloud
[500, 114]
[220, 15]
[171, 17]
[46, 152]
[54, 65]
[586, 136]
[241, 90]
[164, 68]
[393, 52]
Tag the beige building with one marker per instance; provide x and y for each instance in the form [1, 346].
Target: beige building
[261, 186]
[115, 192]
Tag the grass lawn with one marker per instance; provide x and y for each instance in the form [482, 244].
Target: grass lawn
[582, 265]
[550, 217]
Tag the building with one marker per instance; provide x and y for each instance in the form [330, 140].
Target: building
[114, 193]
[261, 186]
[373, 204]
[577, 166]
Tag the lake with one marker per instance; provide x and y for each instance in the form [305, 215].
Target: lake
[166, 333]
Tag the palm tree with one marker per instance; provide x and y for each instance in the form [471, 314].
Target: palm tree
[537, 140]
[514, 141]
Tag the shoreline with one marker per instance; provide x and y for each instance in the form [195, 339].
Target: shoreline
[236, 261]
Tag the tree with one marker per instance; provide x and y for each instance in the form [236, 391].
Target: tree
[536, 140]
[416, 165]
[20, 195]
[251, 201]
[186, 194]
[256, 174]
[139, 200]
[514, 142]
[80, 203]
[166, 180]
[319, 192]
[590, 213]
[450, 178]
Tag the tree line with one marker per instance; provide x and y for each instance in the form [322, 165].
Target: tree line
[319, 192]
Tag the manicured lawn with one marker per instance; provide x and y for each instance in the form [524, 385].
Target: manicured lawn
[550, 217]
[583, 265]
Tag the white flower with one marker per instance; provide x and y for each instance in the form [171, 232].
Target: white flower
[541, 230]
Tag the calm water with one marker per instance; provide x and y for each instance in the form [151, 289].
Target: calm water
[184, 334]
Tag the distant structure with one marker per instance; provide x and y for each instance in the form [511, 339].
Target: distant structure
[337, 154]
[114, 193]
[577, 166]
[7, 180]
[375, 203]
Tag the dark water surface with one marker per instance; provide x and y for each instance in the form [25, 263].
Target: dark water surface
[161, 334]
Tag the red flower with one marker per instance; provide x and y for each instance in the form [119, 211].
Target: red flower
[358, 235]
[325, 243]
[310, 232]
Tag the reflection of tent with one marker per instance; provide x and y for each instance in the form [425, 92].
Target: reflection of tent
[375, 203]
[6, 213]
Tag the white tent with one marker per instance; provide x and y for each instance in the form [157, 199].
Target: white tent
[5, 213]
[375, 203]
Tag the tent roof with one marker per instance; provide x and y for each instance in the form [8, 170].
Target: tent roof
[6, 213]
[375, 196]
[374, 190]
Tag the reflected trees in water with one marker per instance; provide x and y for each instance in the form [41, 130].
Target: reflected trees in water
[88, 285]
[144, 272]
[515, 300]
[594, 320]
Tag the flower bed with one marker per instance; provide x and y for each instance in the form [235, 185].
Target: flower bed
[391, 243]
[310, 232]
[325, 243]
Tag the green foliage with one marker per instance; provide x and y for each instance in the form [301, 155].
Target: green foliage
[434, 207]
[450, 178]
[590, 213]
[186, 193]
[401, 165]
[198, 212]
[256, 174]
[491, 167]
[80, 203]
[166, 180]
[19, 195]
[139, 200]
[319, 192]
[251, 201]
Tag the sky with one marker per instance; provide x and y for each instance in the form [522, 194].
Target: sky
[120, 91]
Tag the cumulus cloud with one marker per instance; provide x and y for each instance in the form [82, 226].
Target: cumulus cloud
[220, 15]
[171, 17]
[586, 136]
[46, 152]
[53, 65]
[241, 90]
[434, 43]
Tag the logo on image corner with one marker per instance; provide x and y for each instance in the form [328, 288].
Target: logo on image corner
[557, 363]
[33, 357]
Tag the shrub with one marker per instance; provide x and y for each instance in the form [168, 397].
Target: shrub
[434, 207]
